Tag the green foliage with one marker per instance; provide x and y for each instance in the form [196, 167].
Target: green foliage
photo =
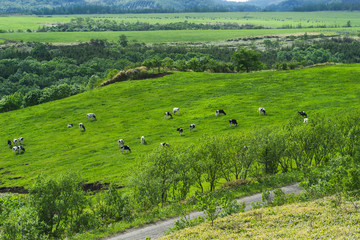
[58, 203]
[246, 60]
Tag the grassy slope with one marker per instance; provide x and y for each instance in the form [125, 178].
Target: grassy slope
[312, 220]
[131, 109]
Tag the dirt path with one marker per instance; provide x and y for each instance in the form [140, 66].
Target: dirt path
[156, 230]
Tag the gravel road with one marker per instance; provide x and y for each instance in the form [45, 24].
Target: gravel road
[157, 229]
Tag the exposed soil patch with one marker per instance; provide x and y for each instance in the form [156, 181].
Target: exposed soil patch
[97, 186]
[15, 178]
[13, 190]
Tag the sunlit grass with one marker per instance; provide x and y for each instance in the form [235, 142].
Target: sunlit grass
[133, 109]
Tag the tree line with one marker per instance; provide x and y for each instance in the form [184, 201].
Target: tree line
[89, 24]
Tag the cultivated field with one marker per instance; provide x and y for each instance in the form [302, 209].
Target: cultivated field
[268, 19]
[324, 22]
[132, 109]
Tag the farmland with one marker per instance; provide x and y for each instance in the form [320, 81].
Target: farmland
[133, 109]
[293, 22]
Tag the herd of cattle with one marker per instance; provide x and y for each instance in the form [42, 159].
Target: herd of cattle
[18, 148]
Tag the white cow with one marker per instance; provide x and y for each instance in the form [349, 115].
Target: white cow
[142, 140]
[120, 142]
[192, 126]
[305, 120]
[176, 110]
[91, 116]
[15, 141]
[20, 140]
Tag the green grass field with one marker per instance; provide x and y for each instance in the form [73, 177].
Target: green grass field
[269, 19]
[158, 36]
[132, 109]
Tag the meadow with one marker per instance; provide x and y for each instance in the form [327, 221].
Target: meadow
[132, 109]
[268, 19]
[179, 36]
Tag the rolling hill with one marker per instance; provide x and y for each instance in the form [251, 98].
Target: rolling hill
[132, 109]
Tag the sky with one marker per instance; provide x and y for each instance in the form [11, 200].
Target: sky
[236, 0]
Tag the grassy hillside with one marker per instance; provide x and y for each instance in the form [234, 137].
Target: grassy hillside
[133, 109]
[312, 220]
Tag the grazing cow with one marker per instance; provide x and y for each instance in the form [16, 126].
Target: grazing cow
[168, 114]
[164, 144]
[176, 110]
[21, 149]
[70, 125]
[305, 120]
[303, 114]
[81, 127]
[120, 142]
[15, 150]
[180, 130]
[126, 148]
[142, 140]
[261, 110]
[91, 116]
[192, 126]
[220, 111]
[20, 140]
[15, 141]
[9, 143]
[233, 122]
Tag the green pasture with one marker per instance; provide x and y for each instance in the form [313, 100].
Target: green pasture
[132, 109]
[158, 36]
[268, 19]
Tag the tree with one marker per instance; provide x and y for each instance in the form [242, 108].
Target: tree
[123, 40]
[246, 60]
[58, 203]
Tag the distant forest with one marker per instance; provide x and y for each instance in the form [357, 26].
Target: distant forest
[46, 7]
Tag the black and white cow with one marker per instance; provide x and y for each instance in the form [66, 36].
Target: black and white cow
[121, 143]
[164, 144]
[21, 149]
[261, 110]
[306, 120]
[15, 149]
[176, 110]
[192, 126]
[303, 114]
[9, 143]
[15, 141]
[232, 122]
[81, 127]
[219, 112]
[168, 115]
[20, 140]
[180, 130]
[91, 116]
[142, 139]
[70, 125]
[126, 148]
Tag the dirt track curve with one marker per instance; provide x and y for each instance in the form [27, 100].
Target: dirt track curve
[157, 229]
